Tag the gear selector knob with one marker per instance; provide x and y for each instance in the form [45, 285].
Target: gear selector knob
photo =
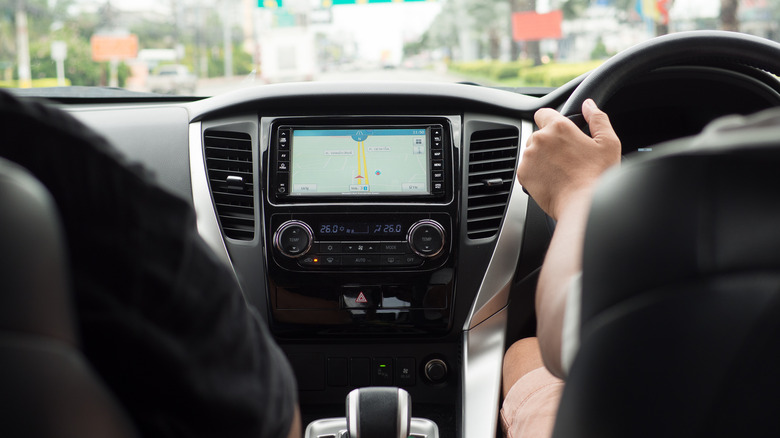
[378, 412]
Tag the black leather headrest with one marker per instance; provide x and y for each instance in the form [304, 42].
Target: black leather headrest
[34, 285]
[700, 207]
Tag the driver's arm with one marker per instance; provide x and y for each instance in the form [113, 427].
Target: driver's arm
[559, 168]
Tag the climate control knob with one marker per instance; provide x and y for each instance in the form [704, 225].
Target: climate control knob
[293, 239]
[426, 238]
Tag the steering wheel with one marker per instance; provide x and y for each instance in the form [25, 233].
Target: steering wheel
[711, 48]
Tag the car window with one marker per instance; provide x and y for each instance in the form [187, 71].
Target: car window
[206, 47]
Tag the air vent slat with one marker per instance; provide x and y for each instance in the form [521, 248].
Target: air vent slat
[231, 178]
[492, 161]
[494, 140]
[492, 158]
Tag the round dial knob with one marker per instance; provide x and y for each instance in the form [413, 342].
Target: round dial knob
[293, 238]
[436, 371]
[426, 238]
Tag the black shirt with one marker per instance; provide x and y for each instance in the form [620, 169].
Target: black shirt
[161, 319]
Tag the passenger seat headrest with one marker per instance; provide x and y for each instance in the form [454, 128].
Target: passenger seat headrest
[703, 207]
[34, 284]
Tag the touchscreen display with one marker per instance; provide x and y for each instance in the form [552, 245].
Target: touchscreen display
[328, 162]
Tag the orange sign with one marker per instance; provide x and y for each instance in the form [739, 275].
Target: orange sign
[110, 47]
[530, 26]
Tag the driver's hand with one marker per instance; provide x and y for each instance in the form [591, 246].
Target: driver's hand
[560, 161]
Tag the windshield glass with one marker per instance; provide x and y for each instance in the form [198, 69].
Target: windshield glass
[206, 47]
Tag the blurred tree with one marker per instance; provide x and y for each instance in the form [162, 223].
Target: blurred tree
[491, 24]
[728, 15]
[574, 8]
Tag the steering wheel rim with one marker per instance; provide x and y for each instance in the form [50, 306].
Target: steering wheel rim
[684, 48]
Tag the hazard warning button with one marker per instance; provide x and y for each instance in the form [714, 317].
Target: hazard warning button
[361, 297]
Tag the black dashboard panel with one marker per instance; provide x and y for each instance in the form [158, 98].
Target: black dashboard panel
[152, 135]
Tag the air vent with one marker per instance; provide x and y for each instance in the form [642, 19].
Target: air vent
[492, 163]
[229, 164]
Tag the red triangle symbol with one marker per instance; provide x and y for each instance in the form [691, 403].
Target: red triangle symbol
[361, 298]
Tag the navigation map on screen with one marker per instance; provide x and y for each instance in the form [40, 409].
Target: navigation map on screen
[355, 161]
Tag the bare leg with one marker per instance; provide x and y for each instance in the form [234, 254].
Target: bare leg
[531, 393]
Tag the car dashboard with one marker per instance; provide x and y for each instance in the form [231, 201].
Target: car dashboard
[399, 287]
[420, 286]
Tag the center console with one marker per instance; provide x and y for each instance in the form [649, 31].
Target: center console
[360, 219]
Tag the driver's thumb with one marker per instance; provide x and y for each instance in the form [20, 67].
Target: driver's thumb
[598, 122]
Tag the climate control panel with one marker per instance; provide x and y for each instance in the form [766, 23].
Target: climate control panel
[346, 241]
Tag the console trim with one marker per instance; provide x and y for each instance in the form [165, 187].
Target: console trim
[493, 293]
[483, 356]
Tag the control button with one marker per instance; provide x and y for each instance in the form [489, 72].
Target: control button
[283, 166]
[361, 297]
[437, 138]
[405, 372]
[360, 247]
[281, 186]
[411, 260]
[309, 260]
[329, 247]
[360, 260]
[293, 238]
[359, 372]
[438, 164]
[284, 156]
[330, 260]
[284, 139]
[436, 371]
[437, 154]
[437, 175]
[383, 371]
[337, 371]
[438, 186]
[392, 260]
[426, 238]
[393, 247]
[319, 260]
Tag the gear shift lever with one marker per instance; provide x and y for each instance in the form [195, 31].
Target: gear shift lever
[378, 412]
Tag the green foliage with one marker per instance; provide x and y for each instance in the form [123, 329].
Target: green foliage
[242, 61]
[522, 72]
[573, 8]
[509, 70]
[555, 74]
[36, 83]
[600, 51]
[492, 70]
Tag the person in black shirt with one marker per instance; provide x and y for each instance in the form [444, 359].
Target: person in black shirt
[161, 319]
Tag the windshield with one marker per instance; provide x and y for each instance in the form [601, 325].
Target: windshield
[206, 47]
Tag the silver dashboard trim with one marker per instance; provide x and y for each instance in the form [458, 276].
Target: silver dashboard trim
[484, 333]
[493, 293]
[483, 353]
[206, 215]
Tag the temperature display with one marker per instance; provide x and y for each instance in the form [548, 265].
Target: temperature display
[365, 229]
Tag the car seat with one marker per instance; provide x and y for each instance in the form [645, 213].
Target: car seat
[680, 328]
[47, 388]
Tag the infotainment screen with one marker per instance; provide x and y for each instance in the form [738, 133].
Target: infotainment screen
[333, 162]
